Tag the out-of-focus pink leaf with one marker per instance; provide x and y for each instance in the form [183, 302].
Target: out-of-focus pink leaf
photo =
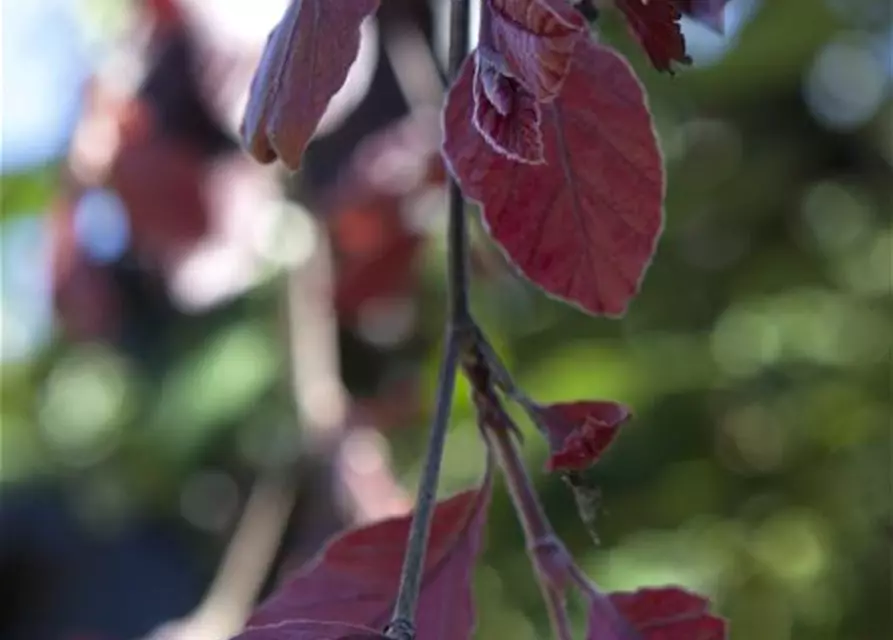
[305, 62]
[375, 242]
[355, 579]
[584, 225]
[579, 432]
[166, 12]
[162, 182]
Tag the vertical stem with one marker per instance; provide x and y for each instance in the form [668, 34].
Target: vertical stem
[402, 625]
[457, 232]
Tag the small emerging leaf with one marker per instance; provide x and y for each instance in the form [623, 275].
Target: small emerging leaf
[584, 225]
[579, 432]
[305, 62]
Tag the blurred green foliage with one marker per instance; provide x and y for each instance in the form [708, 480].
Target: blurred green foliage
[757, 360]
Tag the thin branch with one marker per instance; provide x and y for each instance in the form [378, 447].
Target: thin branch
[546, 552]
[457, 235]
[530, 511]
[555, 608]
[402, 626]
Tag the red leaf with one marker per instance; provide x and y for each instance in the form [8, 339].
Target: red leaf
[583, 226]
[704, 627]
[536, 38]
[166, 12]
[355, 579]
[305, 62]
[310, 630]
[579, 432]
[655, 24]
[650, 606]
[665, 613]
[506, 114]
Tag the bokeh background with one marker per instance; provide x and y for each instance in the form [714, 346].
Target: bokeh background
[208, 366]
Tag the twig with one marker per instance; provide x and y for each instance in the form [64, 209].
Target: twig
[402, 626]
[547, 554]
[458, 225]
[555, 608]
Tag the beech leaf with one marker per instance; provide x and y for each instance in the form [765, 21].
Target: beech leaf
[506, 114]
[655, 23]
[663, 613]
[669, 613]
[584, 225]
[305, 62]
[579, 432]
[310, 630]
[354, 580]
[536, 38]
